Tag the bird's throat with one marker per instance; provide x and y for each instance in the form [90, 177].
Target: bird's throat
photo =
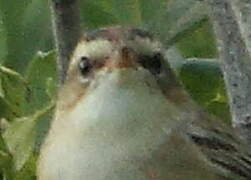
[123, 114]
[117, 100]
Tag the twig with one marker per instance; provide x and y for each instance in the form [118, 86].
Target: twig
[66, 27]
[236, 64]
[242, 10]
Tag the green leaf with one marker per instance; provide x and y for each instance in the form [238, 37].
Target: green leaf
[5, 161]
[1, 89]
[93, 15]
[109, 12]
[171, 20]
[3, 42]
[220, 109]
[203, 79]
[2, 144]
[127, 12]
[7, 110]
[4, 155]
[154, 16]
[20, 137]
[182, 16]
[37, 31]
[24, 134]
[12, 17]
[13, 87]
[199, 43]
[150, 7]
[14, 6]
[41, 69]
[28, 172]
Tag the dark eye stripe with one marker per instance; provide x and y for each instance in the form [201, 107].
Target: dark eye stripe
[152, 63]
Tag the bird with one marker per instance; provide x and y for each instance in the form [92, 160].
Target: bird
[123, 114]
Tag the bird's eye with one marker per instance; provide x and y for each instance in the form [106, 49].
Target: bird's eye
[152, 63]
[84, 65]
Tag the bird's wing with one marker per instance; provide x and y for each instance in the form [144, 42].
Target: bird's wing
[223, 150]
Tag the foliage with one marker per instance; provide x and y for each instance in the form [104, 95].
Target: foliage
[28, 78]
[203, 79]
[28, 121]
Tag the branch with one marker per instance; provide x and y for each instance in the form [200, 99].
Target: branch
[232, 39]
[66, 27]
[242, 11]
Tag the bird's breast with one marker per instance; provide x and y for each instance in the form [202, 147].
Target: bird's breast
[111, 132]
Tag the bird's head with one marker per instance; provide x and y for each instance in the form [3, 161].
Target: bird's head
[115, 58]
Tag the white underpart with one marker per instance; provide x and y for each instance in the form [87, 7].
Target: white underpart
[122, 118]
